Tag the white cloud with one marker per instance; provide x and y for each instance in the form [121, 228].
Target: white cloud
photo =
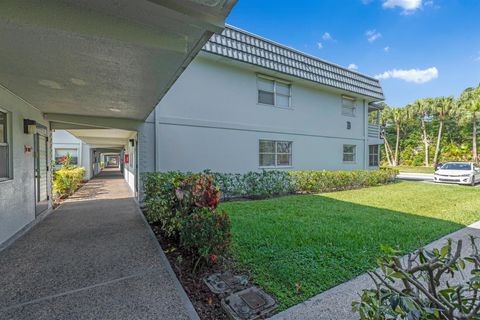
[386, 49]
[373, 35]
[477, 58]
[319, 45]
[352, 66]
[327, 36]
[407, 5]
[428, 3]
[412, 75]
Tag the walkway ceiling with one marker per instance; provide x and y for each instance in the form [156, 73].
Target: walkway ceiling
[111, 58]
[104, 138]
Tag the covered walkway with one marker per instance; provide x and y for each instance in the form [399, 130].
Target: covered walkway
[93, 258]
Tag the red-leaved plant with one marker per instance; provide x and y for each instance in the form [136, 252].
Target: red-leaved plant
[205, 193]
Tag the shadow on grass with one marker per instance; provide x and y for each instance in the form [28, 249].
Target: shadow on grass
[319, 242]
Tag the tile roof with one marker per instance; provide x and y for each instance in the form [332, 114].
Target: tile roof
[243, 46]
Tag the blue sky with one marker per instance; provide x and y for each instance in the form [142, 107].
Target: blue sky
[419, 48]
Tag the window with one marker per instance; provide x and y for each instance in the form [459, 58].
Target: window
[273, 92]
[349, 153]
[373, 155]
[275, 153]
[4, 148]
[348, 106]
[61, 153]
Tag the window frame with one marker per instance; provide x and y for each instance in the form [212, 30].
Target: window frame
[8, 145]
[275, 153]
[370, 155]
[275, 93]
[353, 108]
[354, 153]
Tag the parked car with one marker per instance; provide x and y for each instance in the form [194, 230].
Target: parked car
[458, 172]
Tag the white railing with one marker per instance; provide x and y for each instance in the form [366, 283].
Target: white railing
[374, 131]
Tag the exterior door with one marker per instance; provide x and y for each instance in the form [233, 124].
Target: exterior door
[41, 173]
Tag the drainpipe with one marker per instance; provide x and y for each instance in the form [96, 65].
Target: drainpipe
[365, 134]
[156, 138]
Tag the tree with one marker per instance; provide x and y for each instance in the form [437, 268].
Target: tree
[385, 117]
[442, 107]
[398, 116]
[470, 106]
[421, 108]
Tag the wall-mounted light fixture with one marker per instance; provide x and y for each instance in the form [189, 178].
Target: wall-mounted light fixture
[29, 126]
[132, 142]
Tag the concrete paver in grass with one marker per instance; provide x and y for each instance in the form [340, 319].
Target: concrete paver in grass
[95, 257]
[335, 304]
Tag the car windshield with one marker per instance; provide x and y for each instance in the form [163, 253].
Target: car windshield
[456, 166]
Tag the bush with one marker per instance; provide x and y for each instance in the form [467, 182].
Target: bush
[420, 286]
[66, 180]
[253, 184]
[263, 184]
[185, 206]
[310, 181]
[206, 233]
[161, 201]
[170, 196]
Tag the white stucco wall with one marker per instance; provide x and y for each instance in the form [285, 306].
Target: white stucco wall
[210, 118]
[17, 198]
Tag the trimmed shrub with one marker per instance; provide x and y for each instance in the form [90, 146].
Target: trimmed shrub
[206, 233]
[256, 185]
[162, 203]
[266, 183]
[310, 181]
[66, 180]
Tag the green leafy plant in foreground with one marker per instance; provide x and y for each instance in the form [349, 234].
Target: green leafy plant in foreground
[207, 234]
[415, 288]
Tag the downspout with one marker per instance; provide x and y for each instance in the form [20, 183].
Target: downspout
[365, 135]
[156, 140]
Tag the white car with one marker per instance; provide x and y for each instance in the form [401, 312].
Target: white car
[458, 172]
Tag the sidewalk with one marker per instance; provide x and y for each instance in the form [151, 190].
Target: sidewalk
[93, 258]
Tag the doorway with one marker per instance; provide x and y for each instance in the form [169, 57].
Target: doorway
[41, 170]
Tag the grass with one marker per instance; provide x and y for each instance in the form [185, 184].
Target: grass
[412, 169]
[319, 241]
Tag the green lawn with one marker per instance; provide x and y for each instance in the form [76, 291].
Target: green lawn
[323, 240]
[415, 169]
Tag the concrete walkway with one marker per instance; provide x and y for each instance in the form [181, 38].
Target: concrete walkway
[335, 304]
[93, 258]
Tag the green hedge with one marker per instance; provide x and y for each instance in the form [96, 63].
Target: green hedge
[264, 184]
[310, 181]
[255, 185]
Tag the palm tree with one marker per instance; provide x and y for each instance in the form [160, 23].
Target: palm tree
[385, 117]
[470, 106]
[398, 116]
[442, 107]
[421, 108]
